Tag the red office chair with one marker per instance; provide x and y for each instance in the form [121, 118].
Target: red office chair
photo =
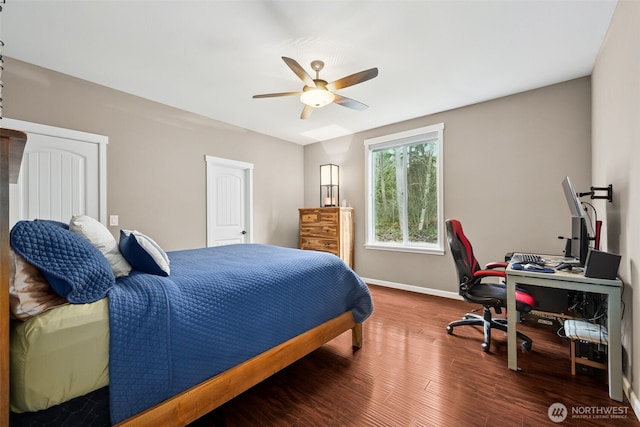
[490, 295]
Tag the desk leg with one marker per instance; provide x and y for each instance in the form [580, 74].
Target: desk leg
[512, 339]
[615, 344]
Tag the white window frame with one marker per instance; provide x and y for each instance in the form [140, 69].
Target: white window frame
[396, 140]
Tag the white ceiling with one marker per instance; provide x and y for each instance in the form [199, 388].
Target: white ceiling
[210, 57]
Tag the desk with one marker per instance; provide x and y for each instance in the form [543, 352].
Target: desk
[571, 280]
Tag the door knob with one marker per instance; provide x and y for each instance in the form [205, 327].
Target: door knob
[243, 232]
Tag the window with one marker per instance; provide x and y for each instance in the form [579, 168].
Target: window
[404, 191]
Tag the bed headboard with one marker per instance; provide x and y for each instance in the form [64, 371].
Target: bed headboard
[73, 163]
[11, 148]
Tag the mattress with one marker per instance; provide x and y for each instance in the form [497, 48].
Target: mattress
[59, 355]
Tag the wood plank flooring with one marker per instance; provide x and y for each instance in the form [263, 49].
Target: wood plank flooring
[410, 372]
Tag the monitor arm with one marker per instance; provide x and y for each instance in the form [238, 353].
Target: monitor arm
[592, 193]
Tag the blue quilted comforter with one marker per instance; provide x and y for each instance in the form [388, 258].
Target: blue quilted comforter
[219, 307]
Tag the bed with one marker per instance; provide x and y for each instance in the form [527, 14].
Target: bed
[180, 344]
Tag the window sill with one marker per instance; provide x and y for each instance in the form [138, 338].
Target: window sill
[404, 248]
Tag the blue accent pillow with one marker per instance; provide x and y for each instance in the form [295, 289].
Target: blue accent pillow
[143, 253]
[73, 267]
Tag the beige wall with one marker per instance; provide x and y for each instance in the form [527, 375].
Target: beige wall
[155, 157]
[616, 151]
[504, 161]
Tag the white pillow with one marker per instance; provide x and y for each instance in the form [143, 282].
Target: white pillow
[102, 239]
[143, 253]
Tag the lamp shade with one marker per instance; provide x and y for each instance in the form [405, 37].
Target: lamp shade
[329, 174]
[329, 187]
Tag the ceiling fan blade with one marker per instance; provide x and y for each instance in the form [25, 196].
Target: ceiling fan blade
[306, 112]
[299, 71]
[272, 95]
[350, 103]
[353, 79]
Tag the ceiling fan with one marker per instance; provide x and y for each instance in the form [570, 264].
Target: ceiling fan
[317, 93]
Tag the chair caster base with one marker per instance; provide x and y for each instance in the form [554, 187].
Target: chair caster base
[488, 323]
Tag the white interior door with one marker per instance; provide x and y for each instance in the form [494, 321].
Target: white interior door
[229, 201]
[63, 173]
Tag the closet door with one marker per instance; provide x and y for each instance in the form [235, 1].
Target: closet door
[63, 174]
[229, 201]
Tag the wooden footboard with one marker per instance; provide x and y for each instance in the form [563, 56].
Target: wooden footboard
[201, 399]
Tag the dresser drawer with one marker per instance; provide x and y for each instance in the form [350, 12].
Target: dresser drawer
[319, 230]
[319, 244]
[318, 217]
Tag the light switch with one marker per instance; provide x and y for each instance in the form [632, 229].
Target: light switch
[113, 220]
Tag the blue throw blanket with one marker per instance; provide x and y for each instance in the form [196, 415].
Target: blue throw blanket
[219, 307]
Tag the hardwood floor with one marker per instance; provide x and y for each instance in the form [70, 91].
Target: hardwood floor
[410, 372]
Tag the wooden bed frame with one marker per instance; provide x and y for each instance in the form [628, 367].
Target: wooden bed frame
[193, 403]
[11, 148]
[201, 399]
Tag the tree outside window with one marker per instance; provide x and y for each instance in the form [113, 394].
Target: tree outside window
[405, 181]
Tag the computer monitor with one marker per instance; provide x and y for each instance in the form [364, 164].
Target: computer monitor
[579, 240]
[578, 246]
[572, 198]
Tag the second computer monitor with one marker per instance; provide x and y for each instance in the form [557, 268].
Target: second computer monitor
[579, 247]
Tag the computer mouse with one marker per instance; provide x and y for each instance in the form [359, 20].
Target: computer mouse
[533, 266]
[564, 266]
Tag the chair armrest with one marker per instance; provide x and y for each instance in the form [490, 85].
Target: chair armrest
[496, 265]
[489, 273]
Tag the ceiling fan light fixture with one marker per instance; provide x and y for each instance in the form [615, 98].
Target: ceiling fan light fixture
[317, 93]
[316, 97]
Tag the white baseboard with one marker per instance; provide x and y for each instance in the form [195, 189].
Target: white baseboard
[413, 288]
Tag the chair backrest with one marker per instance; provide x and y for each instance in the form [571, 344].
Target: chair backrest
[462, 251]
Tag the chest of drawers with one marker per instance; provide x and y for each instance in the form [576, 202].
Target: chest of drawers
[328, 230]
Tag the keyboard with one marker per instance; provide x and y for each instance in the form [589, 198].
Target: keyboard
[527, 259]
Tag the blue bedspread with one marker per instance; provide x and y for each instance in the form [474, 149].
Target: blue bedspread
[219, 307]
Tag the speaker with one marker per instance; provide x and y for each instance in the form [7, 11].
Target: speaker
[601, 265]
